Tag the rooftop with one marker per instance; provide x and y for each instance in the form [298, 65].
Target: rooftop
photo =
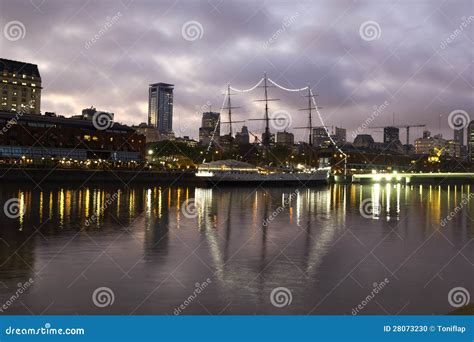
[19, 67]
[85, 123]
[167, 85]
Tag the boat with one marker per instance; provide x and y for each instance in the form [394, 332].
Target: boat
[241, 173]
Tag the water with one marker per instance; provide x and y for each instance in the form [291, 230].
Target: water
[227, 249]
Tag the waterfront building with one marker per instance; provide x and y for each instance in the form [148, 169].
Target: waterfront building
[152, 134]
[20, 87]
[210, 125]
[320, 137]
[36, 137]
[459, 136]
[428, 144]
[285, 138]
[340, 136]
[391, 135]
[363, 140]
[160, 107]
[470, 141]
[242, 137]
[187, 140]
[453, 149]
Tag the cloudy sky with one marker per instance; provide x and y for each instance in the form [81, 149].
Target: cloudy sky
[416, 56]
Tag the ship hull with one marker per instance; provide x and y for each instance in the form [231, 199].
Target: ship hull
[242, 179]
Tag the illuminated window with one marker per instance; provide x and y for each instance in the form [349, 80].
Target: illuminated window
[95, 138]
[87, 137]
[111, 139]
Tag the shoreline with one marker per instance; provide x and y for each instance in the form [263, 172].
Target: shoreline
[111, 176]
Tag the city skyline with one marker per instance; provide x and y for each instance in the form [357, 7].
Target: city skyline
[341, 65]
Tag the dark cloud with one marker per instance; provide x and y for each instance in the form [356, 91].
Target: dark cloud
[105, 54]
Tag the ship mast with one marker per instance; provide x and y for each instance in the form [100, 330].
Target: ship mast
[310, 116]
[229, 112]
[266, 118]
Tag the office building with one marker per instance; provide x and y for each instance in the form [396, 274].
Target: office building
[160, 107]
[340, 136]
[391, 135]
[242, 137]
[470, 141]
[428, 144]
[210, 125]
[459, 136]
[20, 87]
[285, 138]
[36, 136]
[452, 149]
[320, 137]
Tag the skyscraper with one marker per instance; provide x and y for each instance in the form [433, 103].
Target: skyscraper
[391, 135]
[470, 140]
[160, 106]
[459, 136]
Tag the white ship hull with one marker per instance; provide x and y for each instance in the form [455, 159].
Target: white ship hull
[296, 178]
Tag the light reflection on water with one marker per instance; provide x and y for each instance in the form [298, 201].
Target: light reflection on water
[146, 245]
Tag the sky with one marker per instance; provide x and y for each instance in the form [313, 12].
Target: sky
[371, 63]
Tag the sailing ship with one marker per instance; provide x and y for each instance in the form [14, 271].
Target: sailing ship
[238, 172]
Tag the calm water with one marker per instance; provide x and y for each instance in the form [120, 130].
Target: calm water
[151, 250]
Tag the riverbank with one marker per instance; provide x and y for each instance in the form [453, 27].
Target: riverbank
[41, 175]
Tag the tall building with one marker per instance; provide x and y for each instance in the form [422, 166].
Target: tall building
[242, 137]
[459, 136]
[453, 149]
[320, 137]
[285, 138]
[391, 135]
[470, 141]
[340, 136]
[20, 87]
[160, 106]
[210, 125]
